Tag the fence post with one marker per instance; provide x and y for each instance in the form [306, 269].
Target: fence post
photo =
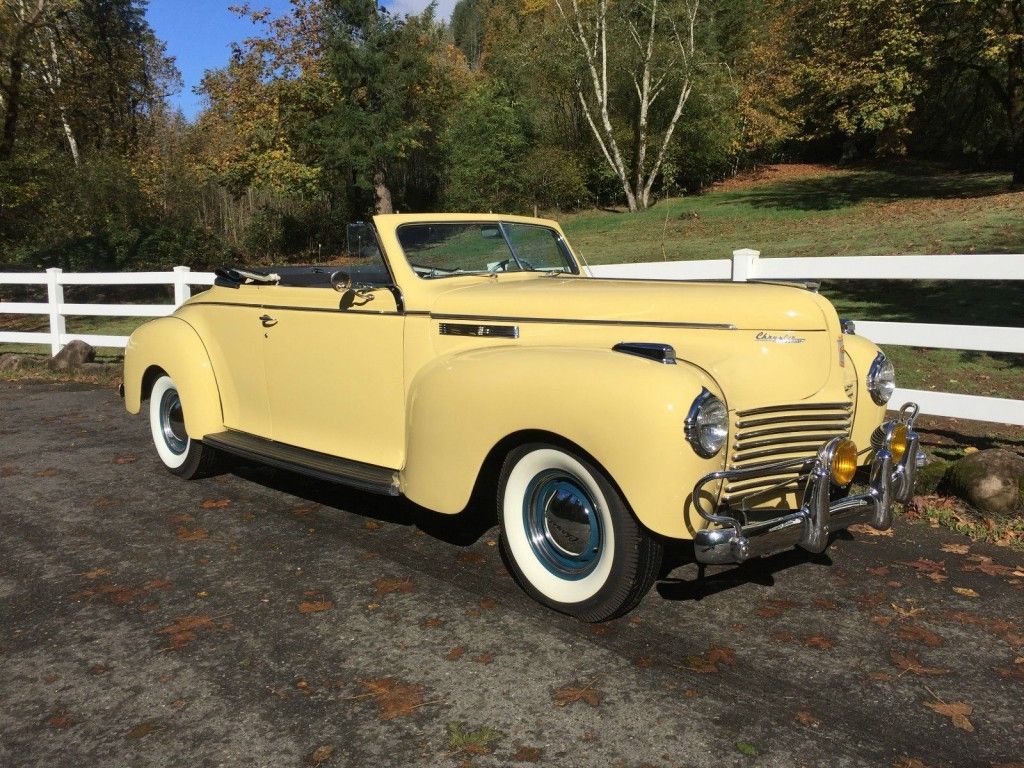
[55, 298]
[182, 292]
[744, 264]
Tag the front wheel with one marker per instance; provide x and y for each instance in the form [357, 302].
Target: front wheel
[569, 538]
[181, 454]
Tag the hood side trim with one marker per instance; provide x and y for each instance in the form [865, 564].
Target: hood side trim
[572, 321]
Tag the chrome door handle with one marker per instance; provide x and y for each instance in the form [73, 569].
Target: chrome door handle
[268, 321]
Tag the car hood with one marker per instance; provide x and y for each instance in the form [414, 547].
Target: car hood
[744, 306]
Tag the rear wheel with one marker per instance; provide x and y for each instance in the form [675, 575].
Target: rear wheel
[569, 538]
[181, 454]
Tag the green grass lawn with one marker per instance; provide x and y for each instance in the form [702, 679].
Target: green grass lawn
[814, 211]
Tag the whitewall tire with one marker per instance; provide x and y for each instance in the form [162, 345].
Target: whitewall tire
[181, 454]
[569, 538]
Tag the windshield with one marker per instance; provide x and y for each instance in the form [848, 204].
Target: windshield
[444, 250]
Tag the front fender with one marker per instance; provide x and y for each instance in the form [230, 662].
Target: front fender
[173, 346]
[861, 353]
[627, 412]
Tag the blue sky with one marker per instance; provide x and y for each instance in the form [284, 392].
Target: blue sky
[199, 33]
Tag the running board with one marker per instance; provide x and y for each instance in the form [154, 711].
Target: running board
[366, 477]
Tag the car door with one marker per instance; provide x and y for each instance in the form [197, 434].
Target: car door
[233, 334]
[334, 372]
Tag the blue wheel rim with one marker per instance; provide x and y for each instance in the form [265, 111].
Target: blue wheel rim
[563, 524]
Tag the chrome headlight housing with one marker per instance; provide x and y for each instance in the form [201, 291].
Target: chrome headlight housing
[707, 425]
[881, 379]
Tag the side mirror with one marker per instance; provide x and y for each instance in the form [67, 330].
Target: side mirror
[341, 281]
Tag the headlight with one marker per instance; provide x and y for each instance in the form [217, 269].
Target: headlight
[707, 425]
[881, 379]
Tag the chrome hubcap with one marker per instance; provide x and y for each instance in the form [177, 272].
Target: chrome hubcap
[172, 422]
[562, 524]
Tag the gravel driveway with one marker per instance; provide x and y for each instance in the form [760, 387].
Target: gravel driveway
[261, 619]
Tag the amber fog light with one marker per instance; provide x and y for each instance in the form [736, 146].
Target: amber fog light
[898, 443]
[844, 462]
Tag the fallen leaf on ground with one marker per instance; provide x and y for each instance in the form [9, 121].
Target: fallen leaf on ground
[124, 459]
[186, 629]
[527, 755]
[455, 653]
[910, 663]
[868, 600]
[867, 530]
[957, 711]
[710, 661]
[484, 658]
[965, 591]
[387, 586]
[1005, 629]
[433, 622]
[95, 573]
[989, 568]
[825, 603]
[879, 677]
[194, 534]
[747, 748]
[48, 472]
[315, 606]
[806, 718]
[956, 549]
[61, 720]
[820, 642]
[772, 608]
[320, 755]
[141, 730]
[918, 634]
[394, 698]
[215, 503]
[882, 621]
[906, 613]
[470, 558]
[908, 762]
[569, 695]
[488, 604]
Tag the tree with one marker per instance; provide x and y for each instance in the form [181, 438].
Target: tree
[662, 59]
[986, 37]
[861, 65]
[388, 78]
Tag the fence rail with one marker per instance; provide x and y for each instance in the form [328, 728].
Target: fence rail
[182, 278]
[745, 265]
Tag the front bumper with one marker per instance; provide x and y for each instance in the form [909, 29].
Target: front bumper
[809, 527]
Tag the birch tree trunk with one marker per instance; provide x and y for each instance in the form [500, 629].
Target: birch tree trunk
[651, 75]
[381, 192]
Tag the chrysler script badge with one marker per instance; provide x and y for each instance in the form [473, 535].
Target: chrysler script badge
[786, 338]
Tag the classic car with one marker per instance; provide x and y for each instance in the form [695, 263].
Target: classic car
[620, 415]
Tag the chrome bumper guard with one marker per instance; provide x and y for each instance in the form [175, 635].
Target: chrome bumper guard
[809, 527]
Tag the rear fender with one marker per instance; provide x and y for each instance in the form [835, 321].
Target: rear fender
[172, 346]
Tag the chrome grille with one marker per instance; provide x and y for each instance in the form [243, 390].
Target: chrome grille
[780, 433]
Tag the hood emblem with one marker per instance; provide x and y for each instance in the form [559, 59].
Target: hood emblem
[785, 338]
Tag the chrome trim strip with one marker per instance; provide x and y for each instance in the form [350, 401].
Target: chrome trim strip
[498, 331]
[659, 353]
[792, 420]
[796, 407]
[285, 307]
[571, 321]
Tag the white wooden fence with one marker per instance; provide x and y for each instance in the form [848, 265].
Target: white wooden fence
[182, 278]
[744, 265]
[747, 264]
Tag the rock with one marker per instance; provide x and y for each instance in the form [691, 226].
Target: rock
[992, 481]
[12, 362]
[72, 356]
[930, 477]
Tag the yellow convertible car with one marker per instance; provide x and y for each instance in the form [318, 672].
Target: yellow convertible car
[620, 414]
